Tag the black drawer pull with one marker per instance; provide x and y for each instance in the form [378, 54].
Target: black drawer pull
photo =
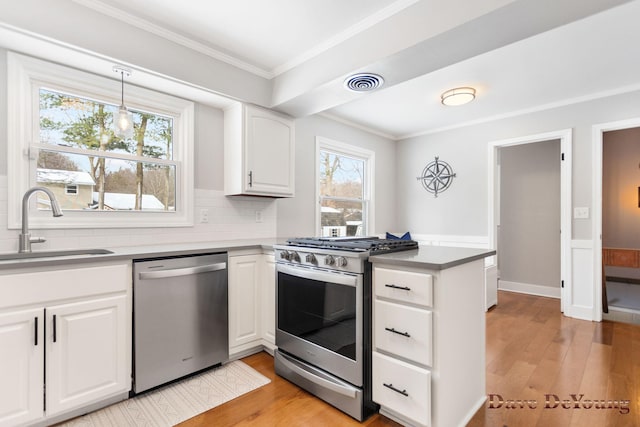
[55, 332]
[404, 334]
[402, 392]
[404, 288]
[36, 330]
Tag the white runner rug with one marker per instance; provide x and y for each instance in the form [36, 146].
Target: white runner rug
[177, 402]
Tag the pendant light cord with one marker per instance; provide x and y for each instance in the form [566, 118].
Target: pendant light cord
[122, 90]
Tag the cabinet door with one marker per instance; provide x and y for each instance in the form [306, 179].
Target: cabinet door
[269, 153]
[269, 298]
[86, 352]
[21, 366]
[244, 314]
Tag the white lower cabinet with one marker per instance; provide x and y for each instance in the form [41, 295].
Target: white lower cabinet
[251, 303]
[268, 291]
[86, 354]
[65, 341]
[21, 366]
[428, 358]
[244, 288]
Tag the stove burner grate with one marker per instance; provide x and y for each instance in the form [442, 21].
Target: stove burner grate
[354, 244]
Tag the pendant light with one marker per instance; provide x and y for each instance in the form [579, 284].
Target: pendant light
[123, 122]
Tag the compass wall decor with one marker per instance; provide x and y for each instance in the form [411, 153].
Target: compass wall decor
[437, 176]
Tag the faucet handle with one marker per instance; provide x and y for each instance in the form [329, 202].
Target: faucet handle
[37, 239]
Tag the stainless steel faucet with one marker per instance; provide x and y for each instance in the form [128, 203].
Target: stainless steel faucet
[25, 237]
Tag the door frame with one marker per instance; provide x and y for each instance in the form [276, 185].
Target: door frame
[565, 136]
[596, 196]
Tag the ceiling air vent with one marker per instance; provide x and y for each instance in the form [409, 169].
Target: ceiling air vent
[363, 82]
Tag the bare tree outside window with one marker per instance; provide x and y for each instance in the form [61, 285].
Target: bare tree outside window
[111, 173]
[342, 203]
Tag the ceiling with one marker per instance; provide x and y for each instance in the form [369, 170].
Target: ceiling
[520, 55]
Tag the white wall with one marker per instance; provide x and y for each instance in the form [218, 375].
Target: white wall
[296, 217]
[82, 28]
[463, 208]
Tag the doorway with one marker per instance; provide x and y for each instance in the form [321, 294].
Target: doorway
[562, 284]
[598, 134]
[620, 218]
[529, 228]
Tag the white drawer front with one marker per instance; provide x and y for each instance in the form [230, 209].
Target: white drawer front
[407, 390]
[405, 286]
[404, 331]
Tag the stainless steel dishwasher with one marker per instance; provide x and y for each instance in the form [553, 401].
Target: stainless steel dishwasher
[180, 317]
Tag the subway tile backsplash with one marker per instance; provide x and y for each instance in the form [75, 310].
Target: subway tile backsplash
[229, 218]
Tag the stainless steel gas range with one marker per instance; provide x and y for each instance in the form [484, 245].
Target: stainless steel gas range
[323, 317]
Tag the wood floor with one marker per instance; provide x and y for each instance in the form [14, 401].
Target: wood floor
[279, 403]
[532, 351]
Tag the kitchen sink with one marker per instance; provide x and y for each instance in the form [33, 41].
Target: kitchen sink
[50, 254]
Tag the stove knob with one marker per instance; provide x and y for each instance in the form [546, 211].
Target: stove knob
[341, 261]
[329, 260]
[294, 256]
[311, 258]
[285, 255]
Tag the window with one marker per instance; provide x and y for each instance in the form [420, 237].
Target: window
[71, 189]
[61, 138]
[344, 185]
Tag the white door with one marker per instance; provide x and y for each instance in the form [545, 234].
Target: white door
[244, 275]
[269, 298]
[269, 153]
[21, 366]
[86, 352]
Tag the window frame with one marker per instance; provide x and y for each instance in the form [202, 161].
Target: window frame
[25, 76]
[348, 150]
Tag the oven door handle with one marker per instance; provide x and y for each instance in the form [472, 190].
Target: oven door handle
[320, 276]
[334, 386]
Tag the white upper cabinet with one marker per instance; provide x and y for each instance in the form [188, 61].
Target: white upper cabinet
[259, 152]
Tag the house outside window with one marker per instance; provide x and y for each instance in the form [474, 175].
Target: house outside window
[344, 184]
[66, 143]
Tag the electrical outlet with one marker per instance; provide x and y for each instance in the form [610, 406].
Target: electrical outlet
[204, 216]
[258, 216]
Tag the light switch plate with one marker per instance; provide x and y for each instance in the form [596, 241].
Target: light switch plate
[581, 213]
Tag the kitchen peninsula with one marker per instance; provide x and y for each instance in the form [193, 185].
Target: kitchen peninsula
[429, 334]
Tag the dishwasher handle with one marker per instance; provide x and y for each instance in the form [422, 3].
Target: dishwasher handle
[184, 271]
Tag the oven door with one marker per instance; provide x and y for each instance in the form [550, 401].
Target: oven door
[319, 319]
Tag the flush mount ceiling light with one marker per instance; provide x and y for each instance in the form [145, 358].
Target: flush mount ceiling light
[363, 82]
[458, 96]
[123, 122]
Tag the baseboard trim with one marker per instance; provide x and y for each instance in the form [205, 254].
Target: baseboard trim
[528, 288]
